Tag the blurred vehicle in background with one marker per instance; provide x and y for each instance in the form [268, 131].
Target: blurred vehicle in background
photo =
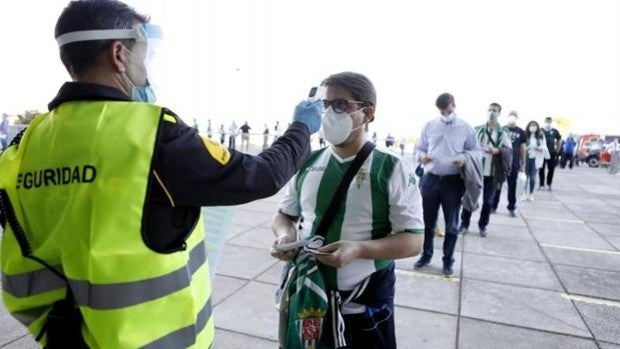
[593, 149]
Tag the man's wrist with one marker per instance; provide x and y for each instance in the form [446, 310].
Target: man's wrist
[363, 249]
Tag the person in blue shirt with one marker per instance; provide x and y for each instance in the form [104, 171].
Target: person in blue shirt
[568, 151]
[441, 148]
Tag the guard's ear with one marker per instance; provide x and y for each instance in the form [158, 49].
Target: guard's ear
[118, 57]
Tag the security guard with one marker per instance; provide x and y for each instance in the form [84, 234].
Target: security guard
[101, 196]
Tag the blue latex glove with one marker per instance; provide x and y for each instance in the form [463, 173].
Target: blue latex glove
[309, 113]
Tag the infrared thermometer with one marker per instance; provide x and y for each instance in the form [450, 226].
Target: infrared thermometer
[316, 93]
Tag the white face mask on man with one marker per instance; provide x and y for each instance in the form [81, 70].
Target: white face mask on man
[447, 119]
[337, 127]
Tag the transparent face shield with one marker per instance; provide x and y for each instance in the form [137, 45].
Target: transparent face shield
[148, 41]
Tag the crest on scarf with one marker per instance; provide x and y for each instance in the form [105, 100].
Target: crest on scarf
[311, 322]
[361, 176]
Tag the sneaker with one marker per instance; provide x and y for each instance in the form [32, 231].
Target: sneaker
[549, 188]
[493, 211]
[541, 188]
[421, 263]
[483, 232]
[512, 214]
[463, 230]
[447, 270]
[439, 232]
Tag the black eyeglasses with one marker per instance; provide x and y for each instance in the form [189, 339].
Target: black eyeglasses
[339, 104]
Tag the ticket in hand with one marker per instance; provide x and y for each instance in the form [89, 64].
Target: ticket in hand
[314, 244]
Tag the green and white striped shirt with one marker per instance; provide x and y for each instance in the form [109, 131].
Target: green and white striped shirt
[500, 136]
[382, 199]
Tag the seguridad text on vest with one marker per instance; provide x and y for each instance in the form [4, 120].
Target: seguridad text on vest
[57, 176]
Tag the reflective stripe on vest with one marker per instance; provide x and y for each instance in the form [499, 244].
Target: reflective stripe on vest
[110, 296]
[78, 183]
[184, 337]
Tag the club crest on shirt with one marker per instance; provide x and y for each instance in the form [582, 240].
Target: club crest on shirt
[361, 176]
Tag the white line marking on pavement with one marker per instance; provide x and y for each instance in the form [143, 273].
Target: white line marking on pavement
[580, 249]
[563, 220]
[591, 300]
[427, 275]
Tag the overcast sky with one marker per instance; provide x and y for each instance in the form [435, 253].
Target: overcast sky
[254, 60]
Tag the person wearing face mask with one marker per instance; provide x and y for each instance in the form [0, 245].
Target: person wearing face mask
[554, 145]
[441, 150]
[518, 140]
[537, 154]
[101, 197]
[492, 139]
[379, 220]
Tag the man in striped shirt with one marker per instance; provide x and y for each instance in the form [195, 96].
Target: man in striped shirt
[491, 138]
[379, 220]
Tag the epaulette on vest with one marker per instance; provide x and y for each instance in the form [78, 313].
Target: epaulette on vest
[18, 137]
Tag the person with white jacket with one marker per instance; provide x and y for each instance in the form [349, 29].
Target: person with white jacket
[537, 153]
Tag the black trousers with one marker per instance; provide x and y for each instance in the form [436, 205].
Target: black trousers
[512, 191]
[567, 158]
[548, 165]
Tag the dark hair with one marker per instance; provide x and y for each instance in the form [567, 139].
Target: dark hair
[528, 134]
[92, 15]
[496, 105]
[444, 101]
[548, 118]
[360, 86]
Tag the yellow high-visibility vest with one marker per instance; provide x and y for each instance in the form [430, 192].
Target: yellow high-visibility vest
[76, 186]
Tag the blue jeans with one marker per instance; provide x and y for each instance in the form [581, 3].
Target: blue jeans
[488, 197]
[446, 192]
[530, 171]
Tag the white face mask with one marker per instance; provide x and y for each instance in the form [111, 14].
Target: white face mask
[448, 119]
[492, 115]
[547, 126]
[337, 127]
[533, 129]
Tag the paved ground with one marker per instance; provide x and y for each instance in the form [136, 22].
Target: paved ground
[547, 279]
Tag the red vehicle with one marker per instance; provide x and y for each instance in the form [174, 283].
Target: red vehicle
[592, 150]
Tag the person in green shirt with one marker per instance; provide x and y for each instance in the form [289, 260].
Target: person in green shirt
[380, 218]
